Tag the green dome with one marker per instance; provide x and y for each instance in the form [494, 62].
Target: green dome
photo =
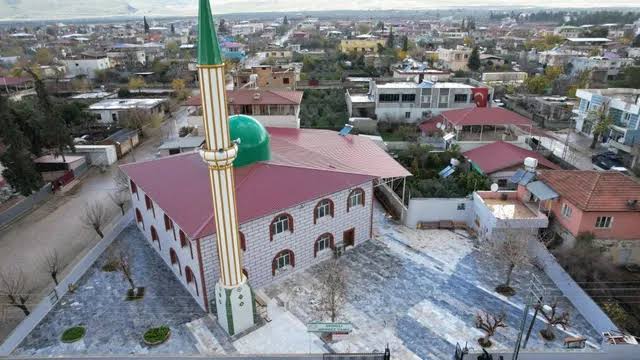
[254, 140]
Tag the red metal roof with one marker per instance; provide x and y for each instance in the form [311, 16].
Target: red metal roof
[249, 97]
[502, 155]
[13, 81]
[326, 150]
[306, 164]
[179, 185]
[484, 116]
[430, 126]
[594, 190]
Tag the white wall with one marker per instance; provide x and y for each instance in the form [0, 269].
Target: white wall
[258, 257]
[284, 121]
[188, 256]
[86, 67]
[436, 209]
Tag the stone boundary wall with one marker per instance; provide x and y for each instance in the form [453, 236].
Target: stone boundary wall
[25, 205]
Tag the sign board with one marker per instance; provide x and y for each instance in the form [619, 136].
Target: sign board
[321, 327]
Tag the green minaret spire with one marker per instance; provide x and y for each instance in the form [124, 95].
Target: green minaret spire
[208, 48]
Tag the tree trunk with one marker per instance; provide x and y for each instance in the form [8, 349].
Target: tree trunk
[130, 280]
[24, 308]
[509, 273]
[594, 141]
[54, 275]
[97, 229]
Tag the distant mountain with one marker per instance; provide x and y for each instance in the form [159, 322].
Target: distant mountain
[76, 9]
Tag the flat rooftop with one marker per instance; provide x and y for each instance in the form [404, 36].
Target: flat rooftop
[509, 209]
[124, 104]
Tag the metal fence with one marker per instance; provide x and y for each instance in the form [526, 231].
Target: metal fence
[386, 355]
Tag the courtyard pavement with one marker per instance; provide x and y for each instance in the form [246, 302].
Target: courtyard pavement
[114, 325]
[418, 291]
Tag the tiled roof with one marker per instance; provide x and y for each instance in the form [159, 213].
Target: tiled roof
[594, 190]
[306, 164]
[484, 116]
[248, 97]
[502, 155]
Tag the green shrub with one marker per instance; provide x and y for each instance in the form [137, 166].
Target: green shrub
[156, 335]
[73, 334]
[110, 266]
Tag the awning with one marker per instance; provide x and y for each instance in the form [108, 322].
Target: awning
[541, 190]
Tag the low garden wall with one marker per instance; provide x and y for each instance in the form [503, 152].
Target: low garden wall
[25, 205]
[437, 209]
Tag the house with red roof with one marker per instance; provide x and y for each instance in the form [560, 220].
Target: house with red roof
[275, 108]
[302, 196]
[500, 160]
[603, 203]
[475, 126]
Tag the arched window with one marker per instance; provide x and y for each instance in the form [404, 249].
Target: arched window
[175, 261]
[323, 208]
[183, 239]
[149, 203]
[191, 278]
[243, 241]
[356, 197]
[324, 241]
[154, 236]
[280, 224]
[168, 224]
[283, 260]
[139, 218]
[134, 189]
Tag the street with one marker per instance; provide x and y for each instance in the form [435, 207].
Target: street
[57, 225]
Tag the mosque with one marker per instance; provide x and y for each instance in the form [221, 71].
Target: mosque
[255, 204]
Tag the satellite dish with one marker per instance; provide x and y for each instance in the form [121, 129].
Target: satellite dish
[494, 187]
[439, 125]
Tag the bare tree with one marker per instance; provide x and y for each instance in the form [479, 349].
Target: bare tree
[125, 267]
[95, 217]
[120, 198]
[13, 287]
[512, 252]
[121, 180]
[332, 290]
[553, 317]
[52, 262]
[489, 323]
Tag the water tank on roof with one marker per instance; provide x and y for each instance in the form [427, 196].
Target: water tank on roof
[530, 163]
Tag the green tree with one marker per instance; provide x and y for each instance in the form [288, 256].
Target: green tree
[173, 29]
[20, 171]
[172, 48]
[285, 21]
[364, 29]
[601, 121]
[55, 132]
[146, 24]
[474, 60]
[391, 40]
[222, 27]
[405, 43]
[136, 83]
[380, 25]
[537, 84]
[43, 56]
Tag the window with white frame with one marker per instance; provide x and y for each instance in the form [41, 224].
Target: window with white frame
[324, 242]
[355, 198]
[323, 209]
[604, 222]
[566, 210]
[283, 260]
[280, 224]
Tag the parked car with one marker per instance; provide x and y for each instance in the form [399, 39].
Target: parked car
[608, 161]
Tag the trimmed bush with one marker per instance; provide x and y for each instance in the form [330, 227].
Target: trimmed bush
[73, 334]
[157, 335]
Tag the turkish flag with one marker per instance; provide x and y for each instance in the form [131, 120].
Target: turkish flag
[480, 96]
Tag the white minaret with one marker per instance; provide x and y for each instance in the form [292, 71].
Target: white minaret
[234, 300]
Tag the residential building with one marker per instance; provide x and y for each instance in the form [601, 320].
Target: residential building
[273, 108]
[454, 59]
[507, 77]
[361, 45]
[603, 203]
[246, 28]
[10, 84]
[500, 160]
[622, 105]
[558, 57]
[309, 196]
[111, 111]
[412, 70]
[267, 77]
[232, 50]
[412, 101]
[86, 65]
[610, 63]
[568, 31]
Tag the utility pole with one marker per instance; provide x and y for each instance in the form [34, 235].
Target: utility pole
[536, 294]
